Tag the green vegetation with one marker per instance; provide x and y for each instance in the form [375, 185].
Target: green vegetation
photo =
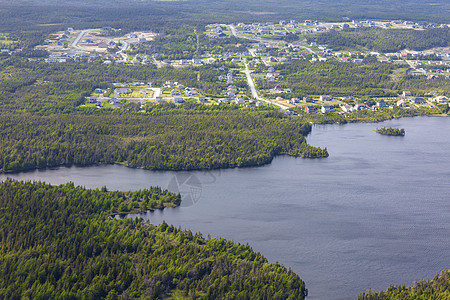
[60, 243]
[366, 116]
[384, 40]
[436, 289]
[41, 125]
[391, 131]
[188, 42]
[368, 79]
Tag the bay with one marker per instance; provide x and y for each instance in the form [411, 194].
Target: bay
[376, 212]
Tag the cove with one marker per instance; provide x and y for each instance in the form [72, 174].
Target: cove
[374, 213]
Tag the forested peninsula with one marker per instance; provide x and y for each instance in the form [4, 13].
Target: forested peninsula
[59, 242]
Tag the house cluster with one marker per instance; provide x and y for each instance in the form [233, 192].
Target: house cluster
[228, 77]
[217, 29]
[283, 27]
[408, 97]
[270, 76]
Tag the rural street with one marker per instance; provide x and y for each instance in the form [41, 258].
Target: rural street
[251, 84]
[78, 38]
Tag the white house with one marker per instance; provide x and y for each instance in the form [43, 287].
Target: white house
[441, 99]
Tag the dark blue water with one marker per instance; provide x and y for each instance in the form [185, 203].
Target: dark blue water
[376, 212]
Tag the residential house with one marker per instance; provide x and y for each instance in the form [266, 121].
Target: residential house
[418, 101]
[441, 99]
[270, 77]
[381, 103]
[308, 100]
[325, 109]
[325, 98]
[278, 88]
[310, 110]
[406, 94]
[347, 108]
[347, 98]
[240, 100]
[361, 106]
[121, 91]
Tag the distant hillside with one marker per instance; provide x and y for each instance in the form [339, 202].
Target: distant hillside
[438, 11]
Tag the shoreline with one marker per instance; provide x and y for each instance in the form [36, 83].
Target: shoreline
[210, 169]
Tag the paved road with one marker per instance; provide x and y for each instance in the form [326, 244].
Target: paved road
[233, 31]
[251, 84]
[410, 63]
[78, 38]
[124, 44]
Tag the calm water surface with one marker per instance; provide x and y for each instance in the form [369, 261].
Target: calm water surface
[377, 211]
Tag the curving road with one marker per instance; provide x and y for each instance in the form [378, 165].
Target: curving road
[78, 38]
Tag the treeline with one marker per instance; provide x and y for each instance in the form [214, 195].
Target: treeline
[438, 288]
[58, 242]
[383, 40]
[187, 137]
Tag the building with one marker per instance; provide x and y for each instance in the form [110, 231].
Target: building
[325, 98]
[418, 101]
[406, 94]
[240, 100]
[347, 108]
[310, 110]
[381, 103]
[441, 99]
[361, 106]
[325, 109]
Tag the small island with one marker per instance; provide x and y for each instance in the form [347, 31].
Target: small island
[391, 131]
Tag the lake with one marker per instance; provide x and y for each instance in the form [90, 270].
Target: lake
[374, 213]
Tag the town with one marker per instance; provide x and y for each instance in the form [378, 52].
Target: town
[250, 75]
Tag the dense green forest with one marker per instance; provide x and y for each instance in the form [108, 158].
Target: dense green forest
[384, 40]
[58, 242]
[437, 289]
[233, 10]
